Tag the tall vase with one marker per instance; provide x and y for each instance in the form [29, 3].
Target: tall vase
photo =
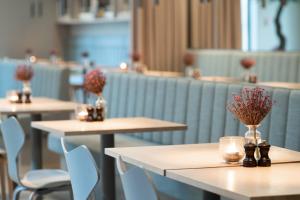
[100, 108]
[253, 136]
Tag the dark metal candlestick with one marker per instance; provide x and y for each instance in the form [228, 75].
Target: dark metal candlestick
[250, 160]
[264, 149]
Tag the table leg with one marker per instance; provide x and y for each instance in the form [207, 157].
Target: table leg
[36, 144]
[107, 168]
[211, 196]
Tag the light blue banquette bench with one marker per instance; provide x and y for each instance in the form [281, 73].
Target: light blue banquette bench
[270, 66]
[48, 81]
[199, 104]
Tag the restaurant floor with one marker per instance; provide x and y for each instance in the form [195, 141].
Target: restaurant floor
[52, 161]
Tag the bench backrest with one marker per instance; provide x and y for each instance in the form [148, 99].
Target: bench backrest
[270, 66]
[48, 81]
[201, 105]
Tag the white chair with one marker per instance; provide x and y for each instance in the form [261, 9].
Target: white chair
[39, 182]
[83, 171]
[136, 184]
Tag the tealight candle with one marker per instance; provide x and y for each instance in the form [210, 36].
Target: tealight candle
[123, 67]
[231, 154]
[231, 148]
[12, 96]
[82, 115]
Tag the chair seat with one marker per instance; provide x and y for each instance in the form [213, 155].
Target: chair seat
[46, 178]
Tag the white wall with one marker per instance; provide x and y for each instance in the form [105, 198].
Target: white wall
[263, 28]
[19, 31]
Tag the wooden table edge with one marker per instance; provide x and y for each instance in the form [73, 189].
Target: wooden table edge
[37, 125]
[135, 162]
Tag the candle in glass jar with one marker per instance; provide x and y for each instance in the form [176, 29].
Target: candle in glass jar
[232, 154]
[82, 115]
[123, 67]
[231, 148]
[13, 98]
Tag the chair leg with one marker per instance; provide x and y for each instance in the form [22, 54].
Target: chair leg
[2, 177]
[71, 194]
[33, 195]
[18, 191]
[11, 186]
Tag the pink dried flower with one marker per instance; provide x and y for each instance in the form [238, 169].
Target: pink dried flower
[53, 52]
[188, 59]
[135, 56]
[247, 63]
[94, 81]
[251, 105]
[85, 54]
[28, 51]
[24, 73]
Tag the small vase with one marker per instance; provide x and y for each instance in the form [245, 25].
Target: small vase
[189, 70]
[253, 136]
[246, 76]
[26, 87]
[100, 108]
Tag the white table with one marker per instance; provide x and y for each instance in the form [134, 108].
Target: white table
[106, 130]
[278, 182]
[38, 107]
[179, 162]
[287, 85]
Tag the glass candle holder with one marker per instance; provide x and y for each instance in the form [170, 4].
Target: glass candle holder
[123, 67]
[232, 148]
[12, 96]
[81, 113]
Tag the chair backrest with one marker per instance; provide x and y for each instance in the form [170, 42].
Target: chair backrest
[136, 184]
[14, 139]
[82, 170]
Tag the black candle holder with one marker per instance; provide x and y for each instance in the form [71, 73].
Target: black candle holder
[264, 149]
[90, 116]
[20, 97]
[99, 114]
[250, 160]
[27, 97]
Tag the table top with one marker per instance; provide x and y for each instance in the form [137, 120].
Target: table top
[164, 74]
[108, 126]
[287, 85]
[39, 105]
[223, 79]
[280, 181]
[159, 159]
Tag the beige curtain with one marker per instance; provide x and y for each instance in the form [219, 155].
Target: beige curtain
[160, 33]
[215, 24]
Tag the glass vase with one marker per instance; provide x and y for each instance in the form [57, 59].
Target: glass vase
[100, 108]
[253, 136]
[26, 87]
